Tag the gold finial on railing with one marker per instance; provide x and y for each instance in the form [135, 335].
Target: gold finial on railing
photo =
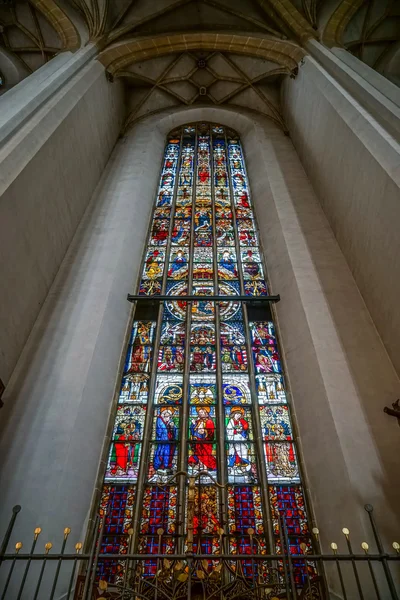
[37, 532]
[18, 547]
[103, 585]
[346, 532]
[396, 546]
[130, 531]
[334, 547]
[365, 547]
[316, 532]
[78, 547]
[48, 547]
[67, 531]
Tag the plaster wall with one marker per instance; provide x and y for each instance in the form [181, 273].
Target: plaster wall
[58, 402]
[353, 165]
[49, 169]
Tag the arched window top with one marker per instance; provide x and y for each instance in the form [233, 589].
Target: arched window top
[190, 129]
[202, 454]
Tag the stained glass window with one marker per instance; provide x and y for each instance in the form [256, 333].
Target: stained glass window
[203, 392]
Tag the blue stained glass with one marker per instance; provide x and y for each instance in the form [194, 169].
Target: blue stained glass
[236, 390]
[179, 264]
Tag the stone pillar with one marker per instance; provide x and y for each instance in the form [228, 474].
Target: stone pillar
[349, 150]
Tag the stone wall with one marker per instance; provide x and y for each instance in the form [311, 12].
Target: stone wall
[353, 165]
[49, 170]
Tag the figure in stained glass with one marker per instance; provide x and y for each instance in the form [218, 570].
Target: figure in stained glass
[227, 264]
[206, 510]
[153, 269]
[247, 237]
[178, 267]
[202, 219]
[202, 359]
[166, 431]
[124, 455]
[143, 332]
[139, 360]
[159, 232]
[183, 212]
[275, 422]
[237, 431]
[171, 358]
[225, 233]
[202, 429]
[281, 459]
[202, 334]
[203, 309]
[180, 232]
[266, 359]
[233, 358]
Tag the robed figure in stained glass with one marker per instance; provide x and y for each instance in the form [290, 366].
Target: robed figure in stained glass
[124, 454]
[280, 456]
[166, 431]
[237, 431]
[202, 429]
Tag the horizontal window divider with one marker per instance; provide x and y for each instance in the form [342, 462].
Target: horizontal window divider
[248, 299]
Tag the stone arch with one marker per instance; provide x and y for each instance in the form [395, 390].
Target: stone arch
[118, 56]
[61, 22]
[340, 18]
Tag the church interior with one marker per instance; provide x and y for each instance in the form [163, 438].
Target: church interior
[199, 317]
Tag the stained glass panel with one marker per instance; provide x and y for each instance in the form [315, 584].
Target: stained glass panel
[214, 406]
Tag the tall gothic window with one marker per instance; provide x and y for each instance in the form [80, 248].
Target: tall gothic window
[202, 393]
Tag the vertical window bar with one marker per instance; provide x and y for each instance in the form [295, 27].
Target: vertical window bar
[185, 397]
[220, 404]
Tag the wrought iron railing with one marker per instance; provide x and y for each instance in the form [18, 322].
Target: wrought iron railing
[254, 576]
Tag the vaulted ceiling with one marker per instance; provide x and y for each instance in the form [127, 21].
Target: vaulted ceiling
[171, 52]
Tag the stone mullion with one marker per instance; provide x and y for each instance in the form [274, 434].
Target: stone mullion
[186, 372]
[220, 405]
